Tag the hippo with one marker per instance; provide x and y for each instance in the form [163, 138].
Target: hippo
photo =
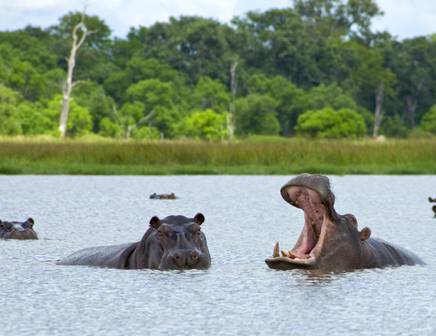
[18, 230]
[331, 242]
[171, 196]
[172, 243]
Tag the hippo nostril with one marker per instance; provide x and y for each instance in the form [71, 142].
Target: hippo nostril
[194, 258]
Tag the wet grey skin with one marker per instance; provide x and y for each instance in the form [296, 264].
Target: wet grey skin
[330, 241]
[172, 243]
[155, 196]
[18, 230]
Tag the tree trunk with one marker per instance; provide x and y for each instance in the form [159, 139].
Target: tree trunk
[66, 91]
[233, 89]
[69, 84]
[378, 109]
[410, 110]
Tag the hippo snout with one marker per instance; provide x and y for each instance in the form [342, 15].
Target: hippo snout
[185, 259]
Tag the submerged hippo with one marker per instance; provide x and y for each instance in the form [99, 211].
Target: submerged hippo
[175, 242]
[18, 230]
[329, 241]
[171, 196]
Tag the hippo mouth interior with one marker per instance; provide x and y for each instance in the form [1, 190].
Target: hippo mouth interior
[307, 248]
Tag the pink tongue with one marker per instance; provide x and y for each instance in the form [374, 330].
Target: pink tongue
[307, 244]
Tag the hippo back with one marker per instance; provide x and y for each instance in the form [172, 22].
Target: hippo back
[379, 253]
[101, 256]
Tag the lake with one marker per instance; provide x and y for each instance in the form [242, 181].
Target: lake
[238, 295]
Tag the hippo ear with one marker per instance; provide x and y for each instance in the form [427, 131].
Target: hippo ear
[365, 233]
[199, 218]
[155, 222]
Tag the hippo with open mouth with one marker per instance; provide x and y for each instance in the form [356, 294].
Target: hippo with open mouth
[175, 242]
[18, 230]
[329, 241]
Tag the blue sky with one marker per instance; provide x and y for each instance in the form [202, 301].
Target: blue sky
[403, 18]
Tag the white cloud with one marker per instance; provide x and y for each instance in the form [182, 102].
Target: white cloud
[407, 18]
[404, 18]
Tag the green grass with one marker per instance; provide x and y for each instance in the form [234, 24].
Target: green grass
[252, 156]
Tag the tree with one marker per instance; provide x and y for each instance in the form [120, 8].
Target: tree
[95, 61]
[98, 103]
[207, 125]
[79, 121]
[289, 99]
[158, 103]
[108, 128]
[413, 63]
[328, 123]
[69, 84]
[193, 45]
[343, 18]
[211, 94]
[428, 122]
[256, 114]
[9, 122]
[370, 81]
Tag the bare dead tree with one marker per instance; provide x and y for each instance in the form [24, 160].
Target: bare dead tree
[233, 90]
[378, 109]
[69, 84]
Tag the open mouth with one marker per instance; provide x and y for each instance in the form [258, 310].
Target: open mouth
[306, 250]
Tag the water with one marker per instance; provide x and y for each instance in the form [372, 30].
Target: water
[238, 295]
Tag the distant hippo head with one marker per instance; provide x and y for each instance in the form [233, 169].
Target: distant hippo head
[328, 240]
[181, 243]
[17, 230]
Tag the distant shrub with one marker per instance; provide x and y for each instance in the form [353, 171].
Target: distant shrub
[418, 133]
[428, 122]
[394, 127]
[329, 123]
[206, 125]
[256, 114]
[110, 129]
[146, 132]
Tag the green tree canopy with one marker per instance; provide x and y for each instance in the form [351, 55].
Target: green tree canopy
[207, 125]
[329, 123]
[428, 122]
[256, 114]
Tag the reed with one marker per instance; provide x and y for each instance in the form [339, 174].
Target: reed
[261, 156]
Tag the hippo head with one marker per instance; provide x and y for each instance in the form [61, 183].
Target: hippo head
[181, 243]
[328, 241]
[18, 230]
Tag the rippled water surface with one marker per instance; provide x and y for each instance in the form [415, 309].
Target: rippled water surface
[238, 295]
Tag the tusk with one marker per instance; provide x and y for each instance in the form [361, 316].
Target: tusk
[284, 253]
[276, 250]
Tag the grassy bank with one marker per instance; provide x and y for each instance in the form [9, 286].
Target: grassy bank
[290, 156]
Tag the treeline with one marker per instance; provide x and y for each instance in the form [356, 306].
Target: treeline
[315, 69]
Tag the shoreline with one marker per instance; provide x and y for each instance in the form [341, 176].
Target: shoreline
[290, 156]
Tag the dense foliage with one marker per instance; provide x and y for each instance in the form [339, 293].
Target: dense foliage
[315, 69]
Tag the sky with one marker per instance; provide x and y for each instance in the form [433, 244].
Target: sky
[403, 18]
